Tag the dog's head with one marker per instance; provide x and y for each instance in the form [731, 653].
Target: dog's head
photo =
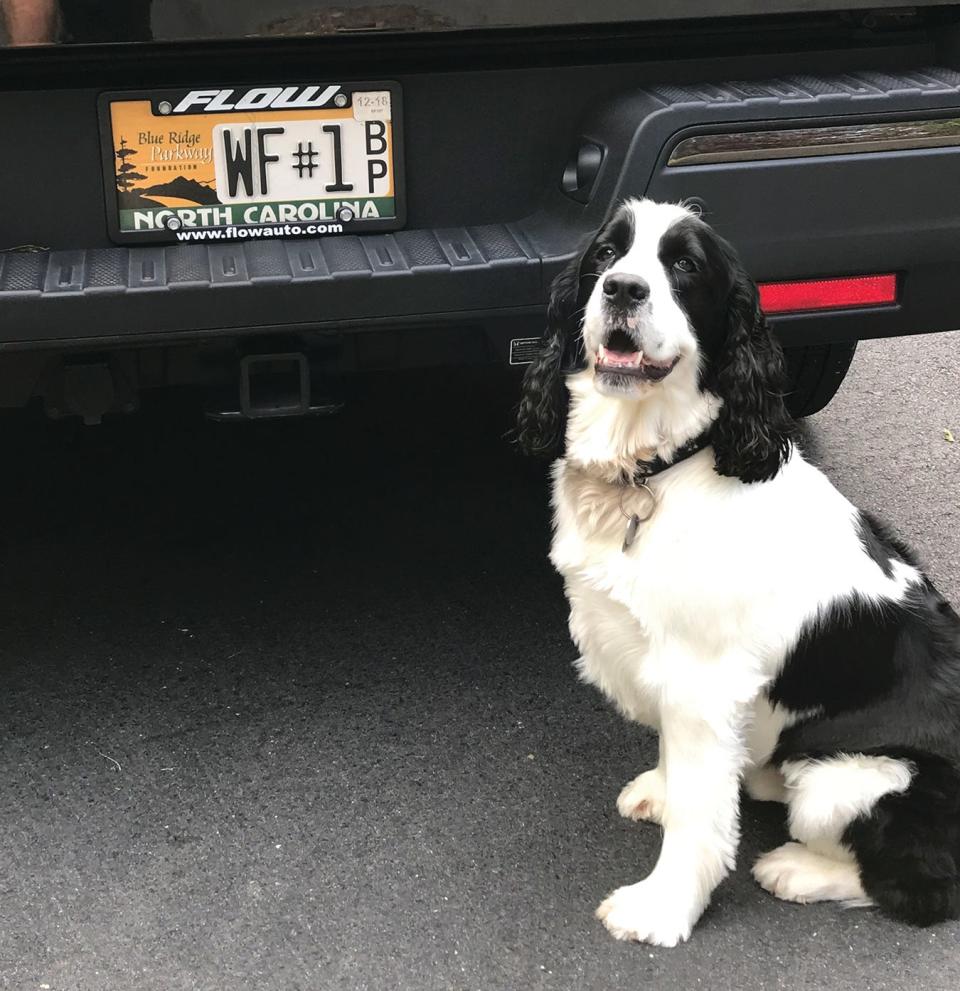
[659, 302]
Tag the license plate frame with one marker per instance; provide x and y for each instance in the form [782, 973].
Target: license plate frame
[238, 107]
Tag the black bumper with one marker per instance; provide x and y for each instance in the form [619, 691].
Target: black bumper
[887, 211]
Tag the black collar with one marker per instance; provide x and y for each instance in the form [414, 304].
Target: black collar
[647, 469]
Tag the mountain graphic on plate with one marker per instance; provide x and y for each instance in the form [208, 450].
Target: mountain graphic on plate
[184, 189]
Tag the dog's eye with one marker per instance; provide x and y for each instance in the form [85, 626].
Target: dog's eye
[605, 254]
[685, 265]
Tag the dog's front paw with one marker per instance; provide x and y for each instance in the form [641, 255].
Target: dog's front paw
[645, 913]
[643, 797]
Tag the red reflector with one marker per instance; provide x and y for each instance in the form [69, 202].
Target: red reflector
[828, 294]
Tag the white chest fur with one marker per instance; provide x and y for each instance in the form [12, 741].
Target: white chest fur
[716, 587]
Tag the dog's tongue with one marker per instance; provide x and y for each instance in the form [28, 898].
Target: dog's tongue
[623, 359]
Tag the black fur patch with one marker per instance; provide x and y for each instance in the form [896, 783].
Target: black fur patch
[908, 846]
[542, 414]
[886, 682]
[843, 661]
[753, 432]
[860, 652]
[702, 293]
[885, 677]
[617, 234]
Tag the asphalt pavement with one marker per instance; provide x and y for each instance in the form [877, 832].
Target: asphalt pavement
[290, 707]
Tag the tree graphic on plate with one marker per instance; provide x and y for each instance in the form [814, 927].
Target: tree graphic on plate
[130, 198]
[127, 173]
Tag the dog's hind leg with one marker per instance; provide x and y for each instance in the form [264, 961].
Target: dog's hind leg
[823, 798]
[872, 829]
[796, 873]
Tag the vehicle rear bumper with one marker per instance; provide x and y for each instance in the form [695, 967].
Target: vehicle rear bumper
[790, 218]
[148, 293]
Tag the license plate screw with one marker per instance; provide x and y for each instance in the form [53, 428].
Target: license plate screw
[173, 223]
[345, 214]
[165, 107]
[340, 100]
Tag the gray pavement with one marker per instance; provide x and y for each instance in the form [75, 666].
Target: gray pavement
[292, 708]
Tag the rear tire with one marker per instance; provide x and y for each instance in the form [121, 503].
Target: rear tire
[815, 374]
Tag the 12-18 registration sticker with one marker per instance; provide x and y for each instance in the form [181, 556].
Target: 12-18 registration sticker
[252, 162]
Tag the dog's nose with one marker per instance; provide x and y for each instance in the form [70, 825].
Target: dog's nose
[626, 290]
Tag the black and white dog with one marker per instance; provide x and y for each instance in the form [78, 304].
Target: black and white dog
[725, 593]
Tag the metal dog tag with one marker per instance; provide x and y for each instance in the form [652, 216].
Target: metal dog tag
[635, 519]
[633, 524]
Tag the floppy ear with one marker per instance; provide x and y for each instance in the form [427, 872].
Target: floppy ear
[541, 418]
[752, 434]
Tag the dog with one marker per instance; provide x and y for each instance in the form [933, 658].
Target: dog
[723, 592]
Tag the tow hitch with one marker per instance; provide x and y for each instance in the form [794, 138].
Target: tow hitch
[274, 386]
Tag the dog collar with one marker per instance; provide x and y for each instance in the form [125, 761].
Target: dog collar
[645, 470]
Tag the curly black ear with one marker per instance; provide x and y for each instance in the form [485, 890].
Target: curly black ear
[753, 433]
[541, 418]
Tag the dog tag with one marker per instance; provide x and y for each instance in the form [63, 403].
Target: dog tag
[635, 519]
[633, 524]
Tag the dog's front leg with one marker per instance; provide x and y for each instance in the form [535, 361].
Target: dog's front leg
[702, 757]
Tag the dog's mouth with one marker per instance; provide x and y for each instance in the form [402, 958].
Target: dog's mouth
[620, 356]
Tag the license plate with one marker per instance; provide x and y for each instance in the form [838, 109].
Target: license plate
[252, 162]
